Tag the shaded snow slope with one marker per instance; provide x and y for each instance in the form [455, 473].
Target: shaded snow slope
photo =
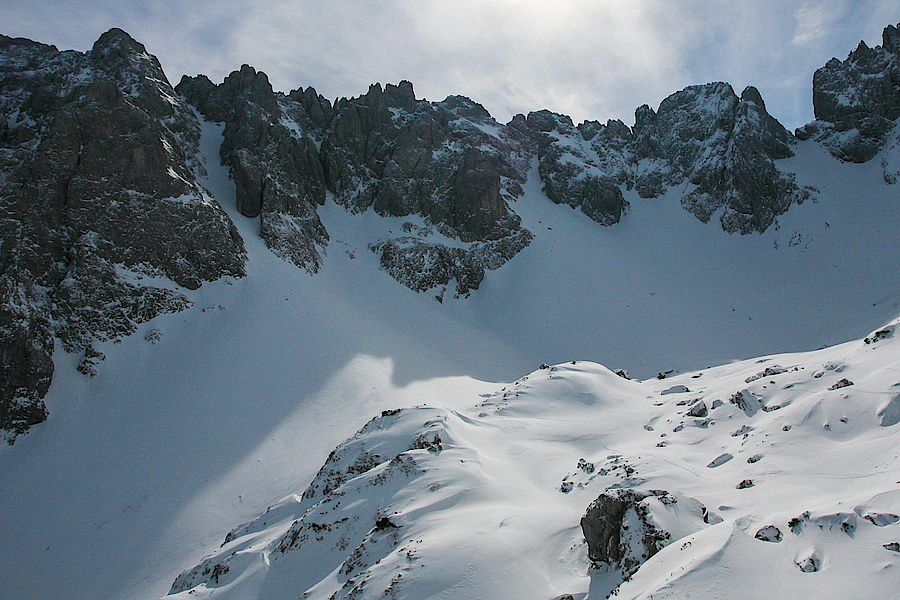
[203, 419]
[786, 480]
[640, 294]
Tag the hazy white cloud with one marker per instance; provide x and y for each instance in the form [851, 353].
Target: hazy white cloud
[813, 20]
[587, 58]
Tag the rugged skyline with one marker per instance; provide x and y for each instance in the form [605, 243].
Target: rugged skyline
[225, 281]
[590, 60]
[107, 152]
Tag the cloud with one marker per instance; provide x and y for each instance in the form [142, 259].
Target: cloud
[591, 59]
[812, 23]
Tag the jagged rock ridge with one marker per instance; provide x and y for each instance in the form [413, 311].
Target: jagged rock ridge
[704, 135]
[452, 163]
[857, 103]
[447, 161]
[98, 163]
[98, 189]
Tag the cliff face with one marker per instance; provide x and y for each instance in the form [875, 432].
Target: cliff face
[99, 193]
[857, 102]
[449, 162]
[97, 180]
[453, 164]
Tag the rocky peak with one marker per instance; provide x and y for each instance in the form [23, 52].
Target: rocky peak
[754, 127]
[400, 96]
[317, 107]
[862, 52]
[614, 129]
[466, 108]
[374, 98]
[644, 116]
[201, 92]
[97, 183]
[856, 101]
[698, 112]
[216, 102]
[137, 73]
[891, 38]
[545, 120]
[253, 85]
[115, 45]
[722, 145]
[751, 94]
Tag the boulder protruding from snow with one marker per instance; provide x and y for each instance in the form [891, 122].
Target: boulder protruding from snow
[619, 530]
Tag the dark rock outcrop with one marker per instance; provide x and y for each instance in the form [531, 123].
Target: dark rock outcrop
[98, 186]
[422, 265]
[276, 169]
[449, 162]
[582, 167]
[619, 531]
[857, 101]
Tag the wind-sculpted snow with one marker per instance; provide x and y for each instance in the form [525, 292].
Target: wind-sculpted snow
[788, 484]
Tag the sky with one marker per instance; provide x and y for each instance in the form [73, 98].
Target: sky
[590, 59]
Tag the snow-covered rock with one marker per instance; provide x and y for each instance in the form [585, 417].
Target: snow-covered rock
[580, 173]
[447, 161]
[102, 218]
[857, 102]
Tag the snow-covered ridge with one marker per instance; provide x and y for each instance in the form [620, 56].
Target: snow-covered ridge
[782, 469]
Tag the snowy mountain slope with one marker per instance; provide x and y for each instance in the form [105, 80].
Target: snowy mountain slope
[437, 192]
[779, 473]
[203, 419]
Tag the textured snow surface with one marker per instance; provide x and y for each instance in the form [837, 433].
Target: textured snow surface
[203, 419]
[484, 501]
